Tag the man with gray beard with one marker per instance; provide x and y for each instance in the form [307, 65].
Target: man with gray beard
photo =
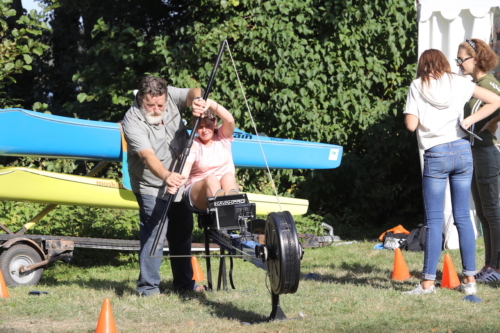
[156, 136]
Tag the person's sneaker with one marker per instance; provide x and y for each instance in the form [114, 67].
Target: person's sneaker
[484, 274]
[490, 276]
[233, 192]
[199, 288]
[467, 288]
[420, 291]
[220, 193]
[480, 274]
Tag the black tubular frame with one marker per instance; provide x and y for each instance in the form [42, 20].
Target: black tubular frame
[185, 153]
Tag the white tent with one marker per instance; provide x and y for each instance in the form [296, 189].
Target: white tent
[443, 25]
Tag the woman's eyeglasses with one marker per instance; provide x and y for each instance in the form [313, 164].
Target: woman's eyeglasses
[461, 61]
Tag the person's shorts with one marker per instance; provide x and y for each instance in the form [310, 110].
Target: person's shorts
[187, 199]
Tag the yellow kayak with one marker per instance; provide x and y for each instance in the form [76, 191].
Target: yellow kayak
[32, 185]
[266, 204]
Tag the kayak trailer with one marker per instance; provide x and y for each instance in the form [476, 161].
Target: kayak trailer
[24, 257]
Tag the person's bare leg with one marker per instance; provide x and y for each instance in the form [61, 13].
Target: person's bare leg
[426, 284]
[468, 279]
[203, 189]
[228, 182]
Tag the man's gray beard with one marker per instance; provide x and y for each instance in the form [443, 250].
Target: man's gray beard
[153, 120]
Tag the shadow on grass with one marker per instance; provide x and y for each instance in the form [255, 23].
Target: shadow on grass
[120, 287]
[354, 274]
[126, 287]
[230, 311]
[224, 310]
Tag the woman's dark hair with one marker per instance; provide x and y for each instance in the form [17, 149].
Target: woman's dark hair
[210, 118]
[486, 58]
[432, 62]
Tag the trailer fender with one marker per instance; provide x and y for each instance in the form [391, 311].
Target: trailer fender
[26, 241]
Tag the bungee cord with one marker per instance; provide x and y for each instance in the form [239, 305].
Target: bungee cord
[243, 254]
[255, 128]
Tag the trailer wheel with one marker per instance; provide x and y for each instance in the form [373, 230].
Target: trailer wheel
[14, 258]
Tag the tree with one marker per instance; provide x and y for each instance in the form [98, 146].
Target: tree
[333, 71]
[100, 49]
[19, 45]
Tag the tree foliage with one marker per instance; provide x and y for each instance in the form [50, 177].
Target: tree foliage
[100, 49]
[328, 71]
[332, 71]
[19, 45]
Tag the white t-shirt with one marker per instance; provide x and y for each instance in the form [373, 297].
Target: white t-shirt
[439, 108]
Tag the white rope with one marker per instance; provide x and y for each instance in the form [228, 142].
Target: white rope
[255, 128]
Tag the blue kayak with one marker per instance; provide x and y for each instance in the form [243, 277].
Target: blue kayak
[28, 133]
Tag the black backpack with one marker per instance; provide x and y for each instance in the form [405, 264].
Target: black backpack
[416, 239]
[392, 241]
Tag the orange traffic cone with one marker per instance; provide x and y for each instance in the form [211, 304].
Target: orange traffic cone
[400, 271]
[450, 278]
[4, 293]
[106, 323]
[197, 272]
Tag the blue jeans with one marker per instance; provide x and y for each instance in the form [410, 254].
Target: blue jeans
[179, 229]
[451, 161]
[485, 195]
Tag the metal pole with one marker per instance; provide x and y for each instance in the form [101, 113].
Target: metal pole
[185, 153]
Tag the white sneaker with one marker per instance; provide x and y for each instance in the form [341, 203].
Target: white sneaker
[467, 288]
[420, 291]
[490, 276]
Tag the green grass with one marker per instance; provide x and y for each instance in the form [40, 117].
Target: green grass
[355, 294]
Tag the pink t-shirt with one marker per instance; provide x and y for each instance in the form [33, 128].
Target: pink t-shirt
[215, 159]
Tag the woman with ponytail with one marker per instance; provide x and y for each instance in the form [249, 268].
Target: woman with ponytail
[435, 110]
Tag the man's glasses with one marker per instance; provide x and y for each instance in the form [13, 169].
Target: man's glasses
[461, 61]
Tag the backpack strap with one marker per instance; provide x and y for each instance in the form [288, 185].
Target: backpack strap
[414, 241]
[409, 239]
[422, 235]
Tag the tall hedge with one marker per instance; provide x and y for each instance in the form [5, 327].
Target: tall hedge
[327, 71]
[333, 71]
[20, 45]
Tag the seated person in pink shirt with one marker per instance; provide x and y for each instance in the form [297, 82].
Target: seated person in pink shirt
[209, 167]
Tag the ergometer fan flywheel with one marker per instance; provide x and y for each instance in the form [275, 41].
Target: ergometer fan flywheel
[284, 253]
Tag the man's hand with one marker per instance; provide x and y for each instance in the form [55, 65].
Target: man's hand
[199, 107]
[174, 182]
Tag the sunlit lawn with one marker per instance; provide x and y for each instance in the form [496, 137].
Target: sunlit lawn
[354, 293]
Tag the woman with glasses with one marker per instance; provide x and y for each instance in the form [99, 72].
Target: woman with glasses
[476, 58]
[435, 110]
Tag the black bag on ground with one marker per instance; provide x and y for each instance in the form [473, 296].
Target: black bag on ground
[416, 239]
[393, 241]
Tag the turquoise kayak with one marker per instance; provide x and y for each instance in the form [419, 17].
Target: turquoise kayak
[28, 133]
